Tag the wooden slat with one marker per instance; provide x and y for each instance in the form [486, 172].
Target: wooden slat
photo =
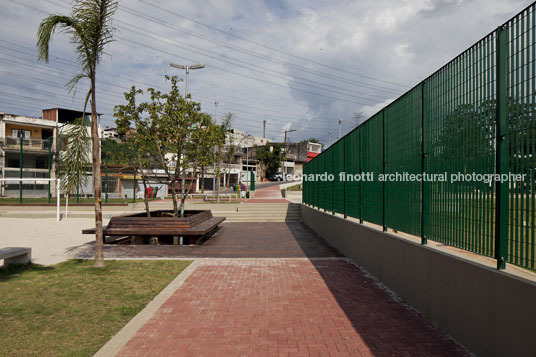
[198, 224]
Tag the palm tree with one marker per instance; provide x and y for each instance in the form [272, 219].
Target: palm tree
[90, 27]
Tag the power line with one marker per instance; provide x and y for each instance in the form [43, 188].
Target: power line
[245, 51]
[272, 48]
[74, 64]
[234, 61]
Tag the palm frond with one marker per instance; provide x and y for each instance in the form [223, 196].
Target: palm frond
[47, 27]
[73, 82]
[75, 160]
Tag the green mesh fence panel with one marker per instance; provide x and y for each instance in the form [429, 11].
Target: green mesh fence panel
[321, 184]
[351, 155]
[451, 117]
[459, 128]
[328, 168]
[403, 156]
[521, 138]
[305, 190]
[316, 185]
[372, 162]
[338, 184]
[308, 189]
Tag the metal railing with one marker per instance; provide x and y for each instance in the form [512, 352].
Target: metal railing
[477, 114]
[14, 143]
[26, 159]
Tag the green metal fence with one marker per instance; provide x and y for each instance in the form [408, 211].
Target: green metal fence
[476, 115]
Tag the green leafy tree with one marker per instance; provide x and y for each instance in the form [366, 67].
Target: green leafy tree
[90, 27]
[165, 131]
[310, 140]
[132, 126]
[202, 142]
[270, 156]
[224, 128]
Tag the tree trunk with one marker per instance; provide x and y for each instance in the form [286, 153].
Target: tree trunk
[187, 192]
[145, 198]
[97, 180]
[174, 198]
[183, 189]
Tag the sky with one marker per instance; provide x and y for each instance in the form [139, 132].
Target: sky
[300, 65]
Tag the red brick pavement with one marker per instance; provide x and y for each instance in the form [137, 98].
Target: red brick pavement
[270, 194]
[286, 308]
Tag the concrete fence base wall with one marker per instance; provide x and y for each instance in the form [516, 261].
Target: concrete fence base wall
[492, 313]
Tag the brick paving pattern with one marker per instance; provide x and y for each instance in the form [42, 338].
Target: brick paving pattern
[270, 194]
[234, 240]
[285, 308]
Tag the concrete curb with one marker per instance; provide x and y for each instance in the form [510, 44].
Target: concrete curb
[112, 347]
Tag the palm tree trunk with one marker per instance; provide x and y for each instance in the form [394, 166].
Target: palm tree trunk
[97, 180]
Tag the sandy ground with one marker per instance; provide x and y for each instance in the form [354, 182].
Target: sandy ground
[51, 242]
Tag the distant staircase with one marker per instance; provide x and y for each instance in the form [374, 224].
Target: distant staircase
[262, 212]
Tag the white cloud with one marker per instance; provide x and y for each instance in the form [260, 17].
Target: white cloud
[258, 79]
[370, 110]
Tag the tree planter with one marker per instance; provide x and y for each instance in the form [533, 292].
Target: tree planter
[137, 228]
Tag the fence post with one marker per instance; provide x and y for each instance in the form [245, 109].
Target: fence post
[20, 170]
[135, 153]
[424, 240]
[360, 198]
[106, 170]
[49, 167]
[324, 185]
[501, 153]
[344, 181]
[333, 182]
[384, 223]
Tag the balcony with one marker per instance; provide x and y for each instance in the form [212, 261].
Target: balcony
[13, 144]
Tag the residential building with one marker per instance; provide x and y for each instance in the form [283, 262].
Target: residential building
[29, 146]
[298, 154]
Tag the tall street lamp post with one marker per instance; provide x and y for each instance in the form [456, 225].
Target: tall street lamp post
[187, 68]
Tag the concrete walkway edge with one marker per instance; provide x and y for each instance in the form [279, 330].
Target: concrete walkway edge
[113, 346]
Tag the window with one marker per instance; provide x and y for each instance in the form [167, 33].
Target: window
[19, 133]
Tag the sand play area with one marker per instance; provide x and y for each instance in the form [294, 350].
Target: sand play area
[51, 242]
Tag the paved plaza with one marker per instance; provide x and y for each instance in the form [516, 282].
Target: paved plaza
[297, 307]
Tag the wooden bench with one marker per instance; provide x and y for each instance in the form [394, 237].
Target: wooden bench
[196, 224]
[16, 255]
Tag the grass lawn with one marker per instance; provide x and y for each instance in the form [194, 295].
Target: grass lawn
[72, 309]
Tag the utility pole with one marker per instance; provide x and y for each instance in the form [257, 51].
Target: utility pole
[183, 183]
[329, 138]
[264, 128]
[340, 122]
